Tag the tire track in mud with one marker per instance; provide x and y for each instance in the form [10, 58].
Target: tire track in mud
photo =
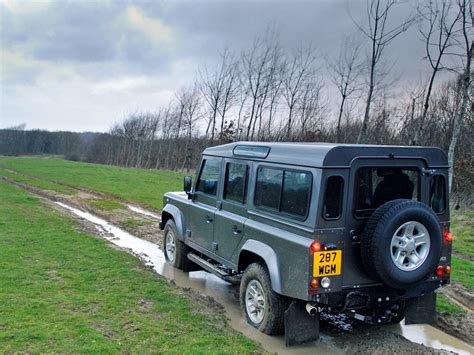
[344, 335]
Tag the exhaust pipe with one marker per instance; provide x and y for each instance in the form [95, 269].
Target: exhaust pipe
[311, 309]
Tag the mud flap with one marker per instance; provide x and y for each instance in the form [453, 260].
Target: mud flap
[300, 327]
[421, 310]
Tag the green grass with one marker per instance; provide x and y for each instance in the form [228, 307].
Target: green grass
[462, 272]
[42, 184]
[139, 185]
[104, 204]
[462, 226]
[444, 305]
[64, 291]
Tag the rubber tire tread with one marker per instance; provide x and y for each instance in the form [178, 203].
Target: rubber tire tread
[368, 234]
[273, 322]
[369, 249]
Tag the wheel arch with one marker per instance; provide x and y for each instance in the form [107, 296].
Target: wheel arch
[172, 212]
[254, 251]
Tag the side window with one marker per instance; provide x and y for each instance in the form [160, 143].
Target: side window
[268, 189]
[438, 194]
[332, 207]
[285, 191]
[296, 192]
[236, 182]
[209, 176]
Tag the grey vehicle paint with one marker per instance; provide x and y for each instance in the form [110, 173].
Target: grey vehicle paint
[289, 238]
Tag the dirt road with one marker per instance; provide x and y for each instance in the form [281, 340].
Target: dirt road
[136, 230]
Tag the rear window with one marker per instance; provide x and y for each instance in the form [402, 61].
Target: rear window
[375, 186]
[283, 191]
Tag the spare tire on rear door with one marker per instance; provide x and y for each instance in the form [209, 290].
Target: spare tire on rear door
[401, 243]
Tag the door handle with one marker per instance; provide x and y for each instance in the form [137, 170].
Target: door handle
[209, 219]
[235, 230]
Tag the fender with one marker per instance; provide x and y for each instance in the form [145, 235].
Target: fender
[270, 258]
[178, 219]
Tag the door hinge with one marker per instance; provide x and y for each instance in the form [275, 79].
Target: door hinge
[215, 246]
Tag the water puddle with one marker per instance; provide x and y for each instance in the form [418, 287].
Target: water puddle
[228, 295]
[433, 337]
[143, 212]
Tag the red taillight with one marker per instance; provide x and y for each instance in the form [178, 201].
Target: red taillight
[439, 270]
[315, 246]
[447, 269]
[448, 236]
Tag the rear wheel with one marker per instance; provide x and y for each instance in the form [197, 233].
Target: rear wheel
[263, 308]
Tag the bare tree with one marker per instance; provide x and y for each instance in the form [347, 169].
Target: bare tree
[191, 101]
[311, 108]
[344, 73]
[380, 36]
[467, 43]
[256, 68]
[438, 30]
[297, 72]
[215, 88]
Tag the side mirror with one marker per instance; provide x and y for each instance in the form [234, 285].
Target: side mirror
[188, 185]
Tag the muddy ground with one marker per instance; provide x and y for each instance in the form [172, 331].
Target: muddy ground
[339, 334]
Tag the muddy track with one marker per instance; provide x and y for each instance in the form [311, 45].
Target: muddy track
[350, 337]
[96, 194]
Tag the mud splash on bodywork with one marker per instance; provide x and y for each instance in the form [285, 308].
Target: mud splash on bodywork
[208, 285]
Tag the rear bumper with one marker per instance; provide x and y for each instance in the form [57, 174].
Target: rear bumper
[369, 297]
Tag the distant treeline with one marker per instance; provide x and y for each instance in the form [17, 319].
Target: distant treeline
[271, 93]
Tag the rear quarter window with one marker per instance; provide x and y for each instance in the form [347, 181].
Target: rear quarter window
[333, 196]
[438, 193]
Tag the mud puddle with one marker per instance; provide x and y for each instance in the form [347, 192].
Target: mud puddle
[143, 212]
[353, 339]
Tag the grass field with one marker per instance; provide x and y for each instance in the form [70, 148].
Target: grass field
[135, 185]
[64, 291]
[463, 230]
[148, 186]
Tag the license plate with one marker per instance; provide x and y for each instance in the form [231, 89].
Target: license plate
[327, 263]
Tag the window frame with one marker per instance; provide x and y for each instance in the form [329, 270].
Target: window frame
[278, 211]
[246, 182]
[341, 209]
[203, 164]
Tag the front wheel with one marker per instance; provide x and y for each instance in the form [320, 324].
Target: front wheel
[263, 308]
[174, 249]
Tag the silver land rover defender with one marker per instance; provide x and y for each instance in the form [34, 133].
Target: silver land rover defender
[311, 228]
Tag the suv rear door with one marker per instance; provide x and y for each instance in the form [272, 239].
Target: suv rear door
[365, 195]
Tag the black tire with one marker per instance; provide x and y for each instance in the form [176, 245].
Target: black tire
[179, 258]
[377, 236]
[272, 322]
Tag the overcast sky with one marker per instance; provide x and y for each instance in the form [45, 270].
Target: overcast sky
[81, 65]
